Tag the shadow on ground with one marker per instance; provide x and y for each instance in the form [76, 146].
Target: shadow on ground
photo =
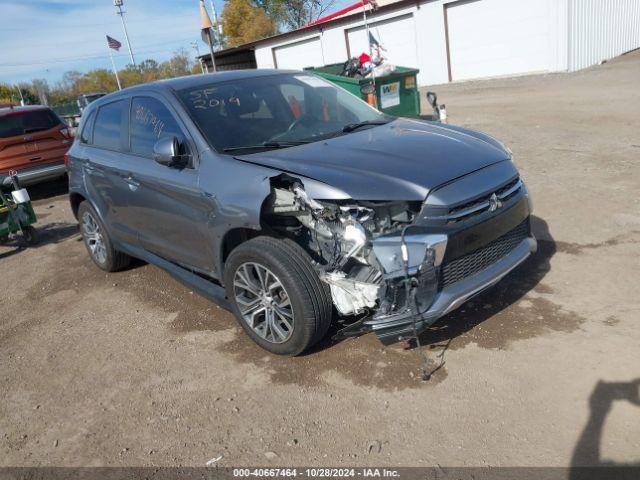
[587, 462]
[501, 314]
[47, 234]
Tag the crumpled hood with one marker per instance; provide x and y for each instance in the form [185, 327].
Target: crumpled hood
[402, 160]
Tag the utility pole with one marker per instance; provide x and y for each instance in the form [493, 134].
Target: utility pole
[206, 32]
[196, 47]
[118, 4]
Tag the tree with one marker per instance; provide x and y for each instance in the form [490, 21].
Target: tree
[28, 93]
[243, 21]
[98, 80]
[8, 94]
[69, 82]
[41, 87]
[178, 65]
[292, 14]
[74, 83]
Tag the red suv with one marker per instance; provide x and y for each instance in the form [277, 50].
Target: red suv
[33, 141]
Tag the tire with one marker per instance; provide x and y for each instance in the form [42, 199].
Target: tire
[309, 302]
[98, 243]
[30, 235]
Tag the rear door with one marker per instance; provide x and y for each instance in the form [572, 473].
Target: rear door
[166, 206]
[105, 169]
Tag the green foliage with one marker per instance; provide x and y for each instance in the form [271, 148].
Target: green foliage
[10, 94]
[243, 21]
[74, 83]
[292, 14]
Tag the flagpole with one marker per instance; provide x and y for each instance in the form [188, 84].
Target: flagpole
[113, 64]
[366, 26]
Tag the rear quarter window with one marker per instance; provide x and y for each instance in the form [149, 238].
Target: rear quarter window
[87, 128]
[21, 123]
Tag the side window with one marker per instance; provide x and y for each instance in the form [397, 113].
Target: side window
[85, 134]
[108, 125]
[150, 121]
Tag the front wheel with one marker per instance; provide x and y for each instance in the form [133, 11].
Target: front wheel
[277, 295]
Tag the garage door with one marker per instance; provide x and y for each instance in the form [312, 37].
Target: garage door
[489, 38]
[298, 55]
[397, 35]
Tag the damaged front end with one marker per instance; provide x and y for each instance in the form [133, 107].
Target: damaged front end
[381, 262]
[380, 268]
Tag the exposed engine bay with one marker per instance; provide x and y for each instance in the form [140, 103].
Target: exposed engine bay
[365, 252]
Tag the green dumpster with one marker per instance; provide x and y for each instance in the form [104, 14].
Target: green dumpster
[395, 94]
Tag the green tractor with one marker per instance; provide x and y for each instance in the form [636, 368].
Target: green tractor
[16, 213]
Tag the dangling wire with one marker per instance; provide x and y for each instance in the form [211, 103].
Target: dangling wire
[411, 291]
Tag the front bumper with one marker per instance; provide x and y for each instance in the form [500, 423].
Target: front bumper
[41, 173]
[398, 327]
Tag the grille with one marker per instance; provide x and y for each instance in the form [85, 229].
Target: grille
[455, 270]
[478, 205]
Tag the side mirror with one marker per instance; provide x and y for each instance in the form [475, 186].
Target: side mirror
[166, 151]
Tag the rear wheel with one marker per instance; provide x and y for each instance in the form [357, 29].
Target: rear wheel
[277, 296]
[97, 241]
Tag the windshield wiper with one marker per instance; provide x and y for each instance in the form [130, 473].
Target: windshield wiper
[354, 126]
[264, 145]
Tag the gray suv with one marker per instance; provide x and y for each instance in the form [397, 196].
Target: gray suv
[295, 204]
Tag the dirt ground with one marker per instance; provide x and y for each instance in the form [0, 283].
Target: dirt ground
[135, 369]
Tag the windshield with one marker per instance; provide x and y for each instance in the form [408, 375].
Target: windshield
[275, 111]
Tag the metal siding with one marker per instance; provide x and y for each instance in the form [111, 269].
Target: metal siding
[601, 29]
[489, 38]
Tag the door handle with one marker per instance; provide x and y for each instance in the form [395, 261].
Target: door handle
[133, 185]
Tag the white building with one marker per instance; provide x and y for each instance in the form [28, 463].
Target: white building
[453, 40]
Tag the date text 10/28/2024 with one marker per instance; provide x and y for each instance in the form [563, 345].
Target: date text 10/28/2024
[316, 472]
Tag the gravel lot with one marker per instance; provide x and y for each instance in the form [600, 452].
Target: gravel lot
[135, 369]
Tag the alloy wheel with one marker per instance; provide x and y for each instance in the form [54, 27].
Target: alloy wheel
[263, 302]
[93, 238]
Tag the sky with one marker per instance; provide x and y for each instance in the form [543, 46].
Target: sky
[45, 38]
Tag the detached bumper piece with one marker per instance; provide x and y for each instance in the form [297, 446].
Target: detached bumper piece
[410, 306]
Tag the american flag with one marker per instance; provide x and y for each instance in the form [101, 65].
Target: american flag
[113, 43]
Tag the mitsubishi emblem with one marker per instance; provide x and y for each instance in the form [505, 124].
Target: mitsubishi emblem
[494, 203]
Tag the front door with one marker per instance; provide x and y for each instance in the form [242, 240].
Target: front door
[169, 211]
